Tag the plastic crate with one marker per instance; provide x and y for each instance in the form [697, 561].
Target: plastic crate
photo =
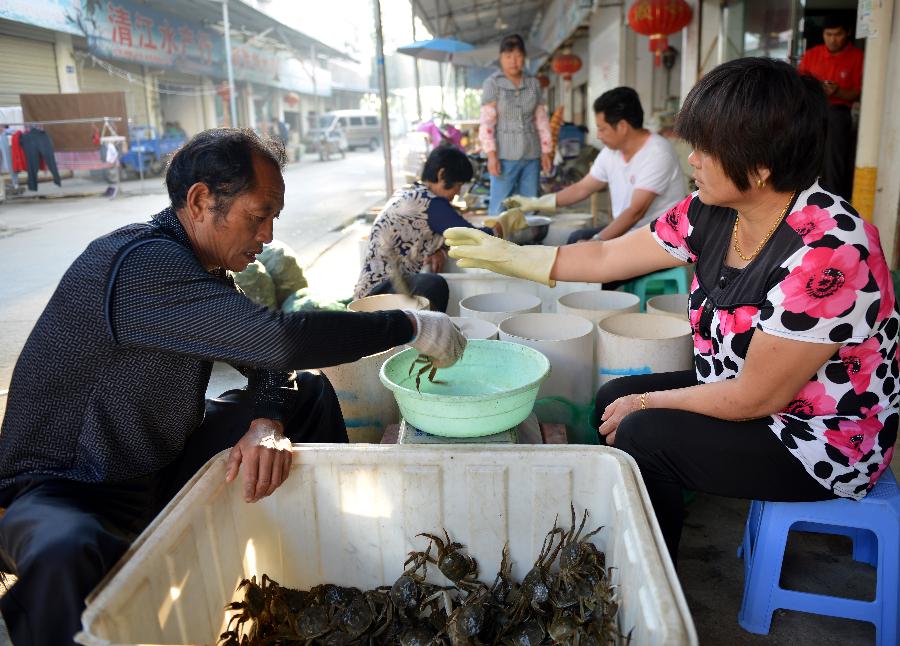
[349, 515]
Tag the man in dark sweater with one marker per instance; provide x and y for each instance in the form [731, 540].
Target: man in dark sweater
[106, 417]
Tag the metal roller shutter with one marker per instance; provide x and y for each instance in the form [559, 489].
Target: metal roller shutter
[28, 67]
[96, 79]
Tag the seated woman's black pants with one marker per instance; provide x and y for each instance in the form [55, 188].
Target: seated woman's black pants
[678, 450]
[61, 537]
[432, 286]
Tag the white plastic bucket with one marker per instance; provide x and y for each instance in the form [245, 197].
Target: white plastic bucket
[473, 328]
[563, 225]
[671, 304]
[568, 341]
[595, 305]
[367, 406]
[383, 302]
[638, 344]
[470, 282]
[496, 306]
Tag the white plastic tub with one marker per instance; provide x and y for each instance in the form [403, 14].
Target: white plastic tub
[595, 305]
[568, 341]
[672, 304]
[469, 282]
[638, 344]
[475, 328]
[497, 306]
[349, 515]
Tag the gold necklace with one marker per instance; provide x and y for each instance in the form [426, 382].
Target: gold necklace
[734, 233]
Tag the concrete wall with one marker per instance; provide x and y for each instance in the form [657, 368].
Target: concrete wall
[66, 70]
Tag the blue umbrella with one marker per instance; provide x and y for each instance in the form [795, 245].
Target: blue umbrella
[438, 49]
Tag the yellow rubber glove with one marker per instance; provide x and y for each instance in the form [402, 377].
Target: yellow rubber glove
[544, 204]
[475, 248]
[510, 221]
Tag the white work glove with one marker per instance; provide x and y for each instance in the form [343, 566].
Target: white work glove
[544, 203]
[510, 222]
[475, 248]
[437, 337]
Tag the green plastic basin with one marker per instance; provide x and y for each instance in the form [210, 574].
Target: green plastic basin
[491, 389]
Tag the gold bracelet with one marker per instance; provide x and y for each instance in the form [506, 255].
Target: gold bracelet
[644, 401]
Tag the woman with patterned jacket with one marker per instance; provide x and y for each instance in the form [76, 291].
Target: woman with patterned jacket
[794, 393]
[514, 129]
[408, 233]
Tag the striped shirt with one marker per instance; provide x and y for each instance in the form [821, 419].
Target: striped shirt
[516, 133]
[111, 381]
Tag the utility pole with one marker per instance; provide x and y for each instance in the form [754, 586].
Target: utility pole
[412, 9]
[232, 100]
[382, 86]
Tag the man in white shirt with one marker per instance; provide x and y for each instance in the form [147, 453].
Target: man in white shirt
[639, 167]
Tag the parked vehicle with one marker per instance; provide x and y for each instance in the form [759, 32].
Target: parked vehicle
[150, 150]
[360, 128]
[331, 142]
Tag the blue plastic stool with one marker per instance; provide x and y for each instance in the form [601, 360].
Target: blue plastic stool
[874, 526]
[666, 281]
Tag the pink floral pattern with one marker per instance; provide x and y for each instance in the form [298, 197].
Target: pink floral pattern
[861, 360]
[737, 321]
[813, 400]
[879, 268]
[674, 227]
[855, 437]
[811, 222]
[826, 281]
[825, 284]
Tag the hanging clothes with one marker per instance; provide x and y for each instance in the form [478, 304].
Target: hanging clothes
[18, 155]
[6, 159]
[38, 146]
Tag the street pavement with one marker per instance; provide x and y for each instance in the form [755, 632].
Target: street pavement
[39, 238]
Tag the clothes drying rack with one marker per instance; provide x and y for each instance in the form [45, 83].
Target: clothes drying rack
[108, 135]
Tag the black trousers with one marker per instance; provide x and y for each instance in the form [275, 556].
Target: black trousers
[37, 145]
[61, 537]
[678, 450]
[840, 144]
[432, 286]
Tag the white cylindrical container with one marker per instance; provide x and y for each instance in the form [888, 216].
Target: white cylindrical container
[568, 341]
[672, 304]
[367, 406]
[563, 225]
[363, 243]
[638, 344]
[496, 306]
[383, 302]
[472, 328]
[595, 305]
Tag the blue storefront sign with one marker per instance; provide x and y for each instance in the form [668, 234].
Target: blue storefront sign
[57, 15]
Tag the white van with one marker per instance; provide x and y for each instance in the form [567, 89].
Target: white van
[362, 129]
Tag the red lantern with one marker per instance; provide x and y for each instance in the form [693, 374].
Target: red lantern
[292, 98]
[566, 64]
[543, 80]
[657, 19]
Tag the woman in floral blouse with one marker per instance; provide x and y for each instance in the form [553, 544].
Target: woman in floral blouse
[794, 395]
[409, 231]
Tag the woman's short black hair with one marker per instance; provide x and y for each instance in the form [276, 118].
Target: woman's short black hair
[457, 167]
[753, 113]
[221, 158]
[512, 43]
[620, 103]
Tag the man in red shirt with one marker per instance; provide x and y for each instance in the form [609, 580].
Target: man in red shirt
[839, 66]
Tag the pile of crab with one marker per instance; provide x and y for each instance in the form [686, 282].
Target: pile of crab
[566, 598]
